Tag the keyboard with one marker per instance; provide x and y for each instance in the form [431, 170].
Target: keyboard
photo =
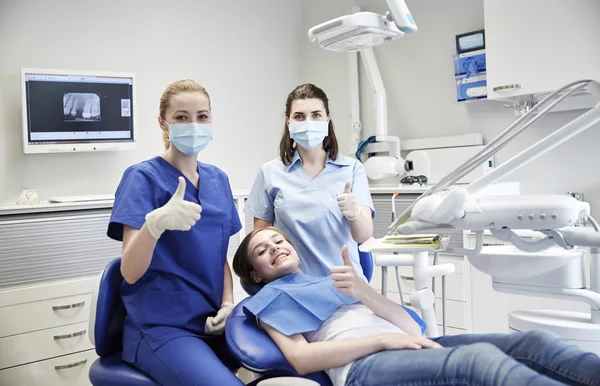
[83, 198]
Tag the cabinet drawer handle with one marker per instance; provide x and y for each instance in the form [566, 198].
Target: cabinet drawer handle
[409, 278]
[70, 365]
[67, 306]
[507, 87]
[67, 336]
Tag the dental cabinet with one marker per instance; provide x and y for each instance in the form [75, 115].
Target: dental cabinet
[51, 256]
[534, 47]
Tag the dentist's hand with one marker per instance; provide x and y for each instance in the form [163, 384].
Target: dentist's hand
[175, 215]
[215, 325]
[345, 278]
[348, 203]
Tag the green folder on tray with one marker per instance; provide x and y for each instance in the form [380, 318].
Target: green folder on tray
[433, 241]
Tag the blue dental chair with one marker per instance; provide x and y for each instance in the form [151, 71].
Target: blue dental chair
[255, 349]
[106, 330]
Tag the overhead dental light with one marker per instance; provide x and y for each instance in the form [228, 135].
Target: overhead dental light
[356, 34]
[364, 29]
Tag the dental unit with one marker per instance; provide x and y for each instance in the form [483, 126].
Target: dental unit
[548, 267]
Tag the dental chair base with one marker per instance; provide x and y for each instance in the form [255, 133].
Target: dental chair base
[576, 327]
[555, 273]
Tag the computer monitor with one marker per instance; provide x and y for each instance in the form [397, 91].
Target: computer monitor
[73, 111]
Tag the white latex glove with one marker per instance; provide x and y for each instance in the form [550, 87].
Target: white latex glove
[348, 203]
[175, 215]
[215, 325]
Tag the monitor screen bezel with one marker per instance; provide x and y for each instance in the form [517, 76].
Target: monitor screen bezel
[29, 148]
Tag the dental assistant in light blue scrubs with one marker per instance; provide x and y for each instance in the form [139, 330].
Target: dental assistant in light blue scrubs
[318, 197]
[175, 216]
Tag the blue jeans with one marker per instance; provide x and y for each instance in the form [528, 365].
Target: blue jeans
[534, 358]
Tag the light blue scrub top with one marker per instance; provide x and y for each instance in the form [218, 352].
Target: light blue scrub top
[185, 280]
[307, 211]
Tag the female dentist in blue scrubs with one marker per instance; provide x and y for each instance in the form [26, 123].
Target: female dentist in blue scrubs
[318, 197]
[175, 216]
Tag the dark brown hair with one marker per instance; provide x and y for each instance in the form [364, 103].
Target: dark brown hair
[286, 146]
[242, 265]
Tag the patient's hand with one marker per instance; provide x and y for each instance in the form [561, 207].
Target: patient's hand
[345, 278]
[393, 341]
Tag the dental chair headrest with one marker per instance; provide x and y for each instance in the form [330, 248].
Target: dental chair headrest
[250, 288]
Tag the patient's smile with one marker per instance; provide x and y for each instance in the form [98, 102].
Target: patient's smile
[279, 257]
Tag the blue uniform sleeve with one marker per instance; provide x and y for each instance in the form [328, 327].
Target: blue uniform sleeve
[135, 197]
[360, 187]
[260, 203]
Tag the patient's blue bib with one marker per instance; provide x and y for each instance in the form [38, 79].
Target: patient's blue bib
[296, 303]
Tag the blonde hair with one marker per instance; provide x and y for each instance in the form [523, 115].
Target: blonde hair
[177, 87]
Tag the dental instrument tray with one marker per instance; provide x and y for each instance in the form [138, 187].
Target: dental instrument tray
[406, 244]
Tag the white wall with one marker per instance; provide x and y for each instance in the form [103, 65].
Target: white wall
[246, 57]
[418, 75]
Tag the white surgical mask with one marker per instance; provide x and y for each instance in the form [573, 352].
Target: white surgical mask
[309, 134]
[190, 138]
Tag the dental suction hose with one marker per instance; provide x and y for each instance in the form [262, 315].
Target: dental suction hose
[524, 245]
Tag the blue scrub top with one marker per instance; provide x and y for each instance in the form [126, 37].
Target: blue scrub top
[184, 283]
[307, 211]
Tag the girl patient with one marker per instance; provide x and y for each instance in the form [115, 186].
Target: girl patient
[341, 325]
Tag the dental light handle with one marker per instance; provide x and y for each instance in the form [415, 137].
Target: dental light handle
[402, 16]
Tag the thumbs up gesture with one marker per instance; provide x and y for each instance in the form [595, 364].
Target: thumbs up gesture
[348, 203]
[175, 215]
[345, 278]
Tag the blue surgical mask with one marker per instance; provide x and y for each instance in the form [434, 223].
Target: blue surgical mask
[190, 138]
[309, 134]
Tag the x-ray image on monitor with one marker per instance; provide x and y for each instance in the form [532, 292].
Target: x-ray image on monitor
[81, 107]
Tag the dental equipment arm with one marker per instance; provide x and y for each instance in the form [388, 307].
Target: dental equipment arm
[458, 208]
